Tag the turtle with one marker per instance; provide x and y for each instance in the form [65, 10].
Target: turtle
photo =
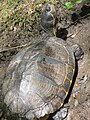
[39, 77]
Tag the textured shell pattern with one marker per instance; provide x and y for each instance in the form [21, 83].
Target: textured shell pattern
[38, 78]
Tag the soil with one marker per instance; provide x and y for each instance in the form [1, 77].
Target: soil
[79, 100]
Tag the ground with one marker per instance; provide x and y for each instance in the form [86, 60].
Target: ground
[80, 98]
[14, 37]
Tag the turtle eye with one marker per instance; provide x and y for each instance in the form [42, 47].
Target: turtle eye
[48, 8]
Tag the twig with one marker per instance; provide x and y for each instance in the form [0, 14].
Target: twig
[20, 46]
[78, 20]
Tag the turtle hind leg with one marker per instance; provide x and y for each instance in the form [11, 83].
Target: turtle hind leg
[61, 114]
[77, 51]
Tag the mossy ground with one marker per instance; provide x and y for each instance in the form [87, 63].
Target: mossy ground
[19, 20]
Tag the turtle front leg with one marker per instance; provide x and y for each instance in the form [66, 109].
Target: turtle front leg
[77, 51]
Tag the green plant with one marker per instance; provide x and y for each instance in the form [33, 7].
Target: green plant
[70, 5]
[78, 1]
[13, 2]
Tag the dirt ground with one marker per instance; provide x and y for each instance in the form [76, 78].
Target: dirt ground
[80, 98]
[79, 101]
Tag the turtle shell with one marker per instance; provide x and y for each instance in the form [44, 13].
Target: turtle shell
[38, 78]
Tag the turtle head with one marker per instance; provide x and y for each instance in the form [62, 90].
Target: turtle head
[48, 19]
